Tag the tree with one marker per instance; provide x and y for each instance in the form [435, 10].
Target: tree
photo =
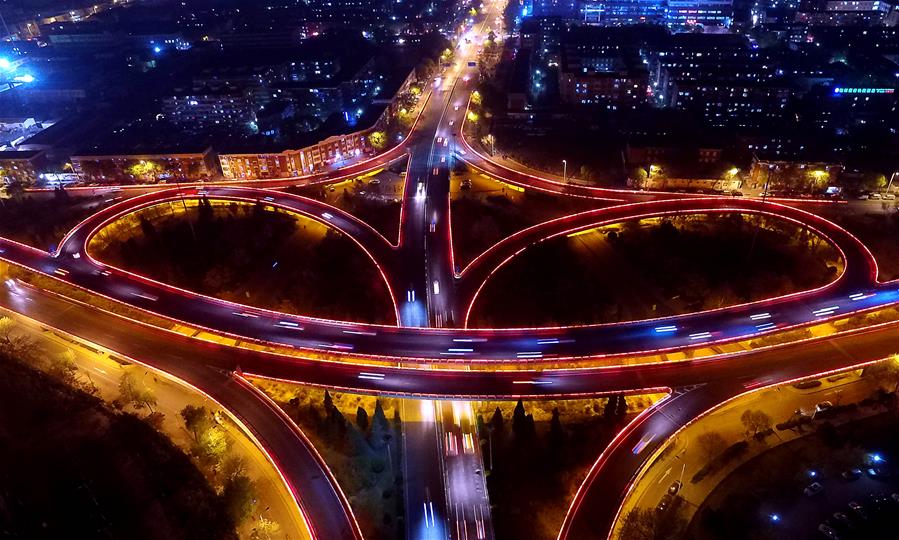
[654, 524]
[755, 422]
[616, 409]
[425, 68]
[135, 393]
[519, 421]
[197, 420]
[63, 367]
[377, 139]
[328, 403]
[496, 421]
[712, 445]
[15, 190]
[380, 428]
[265, 529]
[155, 419]
[362, 419]
[556, 431]
[885, 372]
[10, 343]
[239, 496]
[213, 444]
[233, 466]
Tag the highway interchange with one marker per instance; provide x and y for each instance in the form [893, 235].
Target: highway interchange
[432, 301]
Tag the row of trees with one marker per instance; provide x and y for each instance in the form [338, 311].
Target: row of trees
[365, 452]
[534, 466]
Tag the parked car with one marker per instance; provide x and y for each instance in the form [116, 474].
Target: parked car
[877, 472]
[852, 474]
[828, 531]
[823, 406]
[675, 487]
[858, 510]
[813, 489]
[842, 520]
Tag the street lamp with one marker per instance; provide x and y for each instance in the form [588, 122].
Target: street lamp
[564, 170]
[892, 177]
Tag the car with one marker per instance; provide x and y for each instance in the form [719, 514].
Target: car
[664, 503]
[455, 107]
[813, 489]
[807, 384]
[828, 531]
[331, 188]
[675, 487]
[852, 474]
[877, 472]
[862, 197]
[375, 181]
[842, 520]
[466, 184]
[875, 196]
[889, 196]
[895, 497]
[858, 510]
[452, 122]
[823, 406]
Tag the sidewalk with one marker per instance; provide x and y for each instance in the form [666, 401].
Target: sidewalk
[681, 458]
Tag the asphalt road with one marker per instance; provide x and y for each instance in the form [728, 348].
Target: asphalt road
[856, 289]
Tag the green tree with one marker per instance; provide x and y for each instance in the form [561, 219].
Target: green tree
[213, 444]
[497, 424]
[885, 372]
[63, 367]
[755, 422]
[654, 524]
[377, 139]
[135, 393]
[265, 529]
[239, 496]
[12, 344]
[556, 431]
[197, 420]
[362, 419]
[380, 434]
[519, 420]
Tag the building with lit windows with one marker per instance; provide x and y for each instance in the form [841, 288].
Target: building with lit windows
[179, 165]
[688, 13]
[623, 12]
[201, 110]
[20, 166]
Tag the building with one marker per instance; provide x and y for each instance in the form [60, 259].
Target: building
[848, 13]
[613, 84]
[723, 80]
[204, 110]
[21, 166]
[565, 9]
[689, 13]
[623, 12]
[800, 174]
[145, 168]
[300, 162]
[604, 67]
